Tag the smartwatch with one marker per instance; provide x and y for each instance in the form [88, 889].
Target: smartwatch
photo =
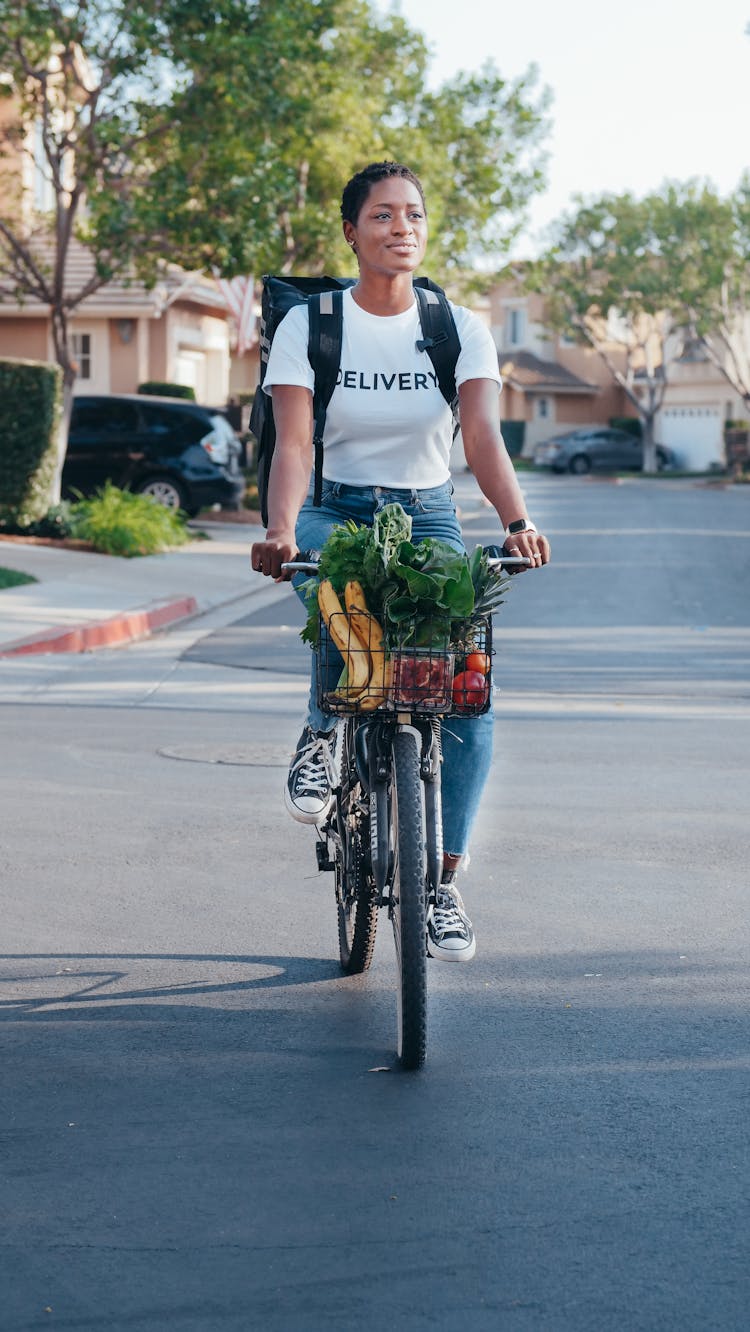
[520, 525]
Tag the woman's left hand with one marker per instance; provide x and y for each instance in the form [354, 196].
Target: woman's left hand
[532, 545]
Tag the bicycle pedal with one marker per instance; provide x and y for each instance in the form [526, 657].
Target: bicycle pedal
[322, 856]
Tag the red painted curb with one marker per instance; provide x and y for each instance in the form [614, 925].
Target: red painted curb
[125, 628]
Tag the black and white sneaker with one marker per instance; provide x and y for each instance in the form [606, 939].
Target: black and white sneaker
[450, 936]
[312, 776]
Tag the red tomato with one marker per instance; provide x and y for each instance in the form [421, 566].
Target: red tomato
[469, 689]
[478, 661]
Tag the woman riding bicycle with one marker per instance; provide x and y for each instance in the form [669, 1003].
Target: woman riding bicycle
[385, 447]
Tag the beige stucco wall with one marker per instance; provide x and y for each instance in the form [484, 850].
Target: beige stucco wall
[24, 337]
[124, 358]
[244, 372]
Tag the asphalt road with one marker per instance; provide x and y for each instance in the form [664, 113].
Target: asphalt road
[202, 1128]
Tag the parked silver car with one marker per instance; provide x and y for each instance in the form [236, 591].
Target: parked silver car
[601, 448]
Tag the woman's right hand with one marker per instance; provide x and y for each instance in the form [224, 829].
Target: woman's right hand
[268, 556]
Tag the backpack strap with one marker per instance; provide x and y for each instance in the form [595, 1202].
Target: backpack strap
[439, 336]
[324, 352]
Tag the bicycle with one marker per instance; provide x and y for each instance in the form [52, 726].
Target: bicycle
[383, 836]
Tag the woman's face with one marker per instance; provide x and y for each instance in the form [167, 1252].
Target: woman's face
[390, 235]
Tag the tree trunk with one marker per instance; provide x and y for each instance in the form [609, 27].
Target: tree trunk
[61, 340]
[650, 463]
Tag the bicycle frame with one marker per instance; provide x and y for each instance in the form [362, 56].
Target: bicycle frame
[384, 835]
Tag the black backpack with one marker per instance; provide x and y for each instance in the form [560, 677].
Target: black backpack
[324, 298]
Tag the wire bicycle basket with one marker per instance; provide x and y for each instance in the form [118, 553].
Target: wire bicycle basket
[437, 677]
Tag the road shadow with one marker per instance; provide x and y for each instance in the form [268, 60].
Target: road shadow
[201, 1150]
[283, 971]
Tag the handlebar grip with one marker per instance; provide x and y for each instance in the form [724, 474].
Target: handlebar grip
[512, 564]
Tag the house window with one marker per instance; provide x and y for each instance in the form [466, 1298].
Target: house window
[542, 409]
[81, 343]
[516, 327]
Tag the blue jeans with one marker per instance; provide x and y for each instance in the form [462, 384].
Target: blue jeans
[467, 741]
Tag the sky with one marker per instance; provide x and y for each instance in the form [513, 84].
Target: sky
[643, 91]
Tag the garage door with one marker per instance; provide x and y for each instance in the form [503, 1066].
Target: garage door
[695, 434]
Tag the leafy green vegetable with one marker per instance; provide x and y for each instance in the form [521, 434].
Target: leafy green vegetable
[489, 584]
[424, 593]
[390, 527]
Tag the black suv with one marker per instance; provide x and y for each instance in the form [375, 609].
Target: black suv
[187, 457]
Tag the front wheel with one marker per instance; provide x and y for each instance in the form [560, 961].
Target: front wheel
[579, 464]
[409, 904]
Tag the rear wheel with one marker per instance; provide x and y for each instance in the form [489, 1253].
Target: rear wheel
[409, 901]
[579, 464]
[356, 897]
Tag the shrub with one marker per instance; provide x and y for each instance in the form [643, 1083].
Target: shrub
[514, 434]
[31, 397]
[117, 522]
[57, 522]
[251, 498]
[632, 424]
[166, 390]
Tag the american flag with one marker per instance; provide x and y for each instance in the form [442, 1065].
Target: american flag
[238, 292]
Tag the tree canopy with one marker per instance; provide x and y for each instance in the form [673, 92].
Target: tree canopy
[219, 133]
[704, 241]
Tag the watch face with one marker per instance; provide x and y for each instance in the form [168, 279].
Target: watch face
[519, 526]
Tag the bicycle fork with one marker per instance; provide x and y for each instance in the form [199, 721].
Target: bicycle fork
[374, 760]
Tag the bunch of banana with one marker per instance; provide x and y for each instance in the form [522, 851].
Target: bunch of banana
[359, 638]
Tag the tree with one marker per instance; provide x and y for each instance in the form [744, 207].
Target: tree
[317, 89]
[608, 283]
[476, 144]
[217, 134]
[705, 240]
[92, 91]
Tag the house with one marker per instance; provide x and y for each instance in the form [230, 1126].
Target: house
[698, 403]
[124, 334]
[551, 384]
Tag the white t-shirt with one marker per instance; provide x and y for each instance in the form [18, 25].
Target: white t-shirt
[387, 423]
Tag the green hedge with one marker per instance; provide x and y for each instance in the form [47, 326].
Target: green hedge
[165, 390]
[30, 406]
[514, 433]
[631, 424]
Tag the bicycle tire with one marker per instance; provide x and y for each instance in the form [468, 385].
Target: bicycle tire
[356, 899]
[409, 902]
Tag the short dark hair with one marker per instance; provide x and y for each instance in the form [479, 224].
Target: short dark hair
[358, 188]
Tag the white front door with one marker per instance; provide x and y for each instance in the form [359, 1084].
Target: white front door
[90, 347]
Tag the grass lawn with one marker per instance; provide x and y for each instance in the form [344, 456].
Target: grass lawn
[12, 578]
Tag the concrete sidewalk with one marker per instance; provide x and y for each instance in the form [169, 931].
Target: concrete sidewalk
[83, 601]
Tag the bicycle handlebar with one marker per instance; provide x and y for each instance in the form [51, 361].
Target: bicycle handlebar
[308, 560]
